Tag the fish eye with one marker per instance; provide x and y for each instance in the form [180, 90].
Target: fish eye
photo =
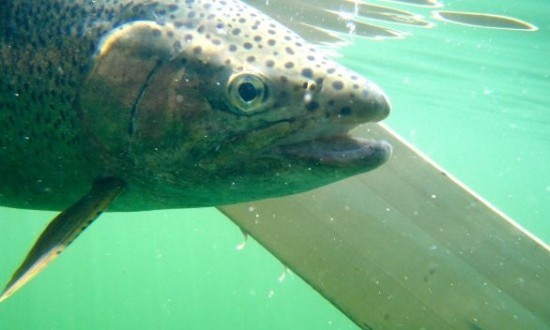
[247, 93]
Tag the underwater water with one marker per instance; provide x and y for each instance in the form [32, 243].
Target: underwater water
[475, 100]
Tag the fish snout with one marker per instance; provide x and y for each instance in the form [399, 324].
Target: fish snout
[354, 100]
[378, 104]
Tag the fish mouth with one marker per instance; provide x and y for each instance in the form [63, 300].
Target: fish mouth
[341, 151]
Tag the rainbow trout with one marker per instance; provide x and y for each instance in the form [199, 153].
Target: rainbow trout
[141, 105]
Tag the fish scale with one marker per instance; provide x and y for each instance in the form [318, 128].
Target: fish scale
[167, 104]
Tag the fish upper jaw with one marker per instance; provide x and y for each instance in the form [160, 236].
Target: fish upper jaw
[325, 139]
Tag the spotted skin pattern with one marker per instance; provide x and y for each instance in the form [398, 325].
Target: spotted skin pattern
[191, 103]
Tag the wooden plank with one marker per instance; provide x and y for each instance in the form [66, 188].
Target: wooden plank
[407, 246]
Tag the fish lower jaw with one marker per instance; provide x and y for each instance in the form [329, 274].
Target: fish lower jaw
[341, 151]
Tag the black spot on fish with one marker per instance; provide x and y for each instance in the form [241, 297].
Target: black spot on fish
[250, 59]
[270, 63]
[307, 72]
[247, 45]
[345, 111]
[338, 85]
[289, 51]
[289, 65]
[271, 42]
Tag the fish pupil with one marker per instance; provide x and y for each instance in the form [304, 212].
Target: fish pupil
[247, 91]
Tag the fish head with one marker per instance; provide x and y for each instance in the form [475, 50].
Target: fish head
[240, 108]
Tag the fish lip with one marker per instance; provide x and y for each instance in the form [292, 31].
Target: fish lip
[340, 150]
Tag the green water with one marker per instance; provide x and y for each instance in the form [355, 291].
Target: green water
[475, 100]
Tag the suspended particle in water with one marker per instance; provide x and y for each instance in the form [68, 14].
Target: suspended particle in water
[242, 245]
[282, 277]
[271, 293]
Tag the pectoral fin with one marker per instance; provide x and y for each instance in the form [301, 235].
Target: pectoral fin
[63, 230]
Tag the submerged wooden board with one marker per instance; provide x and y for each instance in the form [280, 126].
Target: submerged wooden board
[407, 246]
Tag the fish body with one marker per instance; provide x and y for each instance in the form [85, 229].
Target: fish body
[148, 92]
[139, 105]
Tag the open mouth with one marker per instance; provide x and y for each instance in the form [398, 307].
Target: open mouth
[341, 150]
